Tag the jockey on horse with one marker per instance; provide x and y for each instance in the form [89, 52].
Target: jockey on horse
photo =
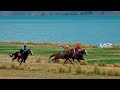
[22, 50]
[65, 49]
[77, 50]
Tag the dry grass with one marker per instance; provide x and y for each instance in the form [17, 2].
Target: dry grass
[61, 70]
[38, 60]
[55, 70]
[82, 62]
[69, 70]
[78, 69]
[48, 43]
[96, 70]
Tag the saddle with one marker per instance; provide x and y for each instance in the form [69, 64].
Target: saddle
[20, 54]
[63, 54]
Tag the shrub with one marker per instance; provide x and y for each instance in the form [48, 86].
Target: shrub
[12, 66]
[103, 73]
[61, 70]
[83, 63]
[116, 65]
[17, 67]
[78, 69]
[3, 66]
[49, 61]
[53, 69]
[113, 72]
[38, 60]
[87, 71]
[96, 70]
[69, 69]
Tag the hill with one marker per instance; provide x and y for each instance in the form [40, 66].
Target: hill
[41, 13]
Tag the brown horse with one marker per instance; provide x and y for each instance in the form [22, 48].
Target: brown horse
[23, 57]
[79, 55]
[60, 56]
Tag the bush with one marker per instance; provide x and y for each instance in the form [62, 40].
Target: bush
[103, 73]
[87, 71]
[49, 61]
[38, 60]
[69, 69]
[3, 66]
[61, 70]
[96, 70]
[83, 63]
[78, 69]
[13, 66]
[113, 72]
[116, 65]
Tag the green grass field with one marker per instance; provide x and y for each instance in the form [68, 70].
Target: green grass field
[104, 55]
[108, 56]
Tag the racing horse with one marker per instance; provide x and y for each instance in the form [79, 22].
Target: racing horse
[60, 56]
[18, 56]
[78, 55]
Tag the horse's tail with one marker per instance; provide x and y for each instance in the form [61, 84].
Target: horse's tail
[51, 56]
[12, 55]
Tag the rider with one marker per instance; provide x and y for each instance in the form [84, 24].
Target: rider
[65, 49]
[22, 50]
[78, 47]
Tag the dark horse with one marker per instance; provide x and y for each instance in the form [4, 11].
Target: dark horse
[78, 55]
[23, 57]
[60, 56]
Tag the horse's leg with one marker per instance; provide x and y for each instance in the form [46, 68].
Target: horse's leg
[53, 59]
[73, 59]
[71, 62]
[21, 62]
[24, 60]
[78, 60]
[18, 59]
[64, 61]
[14, 58]
[81, 57]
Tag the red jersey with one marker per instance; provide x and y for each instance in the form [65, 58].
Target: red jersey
[77, 48]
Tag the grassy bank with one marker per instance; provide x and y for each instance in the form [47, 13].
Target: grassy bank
[46, 49]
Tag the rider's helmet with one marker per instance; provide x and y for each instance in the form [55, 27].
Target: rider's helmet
[24, 45]
[67, 46]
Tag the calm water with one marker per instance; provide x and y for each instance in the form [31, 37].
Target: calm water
[61, 29]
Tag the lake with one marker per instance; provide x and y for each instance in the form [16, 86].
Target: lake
[61, 29]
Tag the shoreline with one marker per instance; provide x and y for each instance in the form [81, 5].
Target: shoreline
[47, 44]
[52, 44]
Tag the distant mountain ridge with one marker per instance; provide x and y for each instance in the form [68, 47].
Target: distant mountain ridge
[42, 13]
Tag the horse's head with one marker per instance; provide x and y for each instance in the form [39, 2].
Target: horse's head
[30, 52]
[71, 51]
[84, 52]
